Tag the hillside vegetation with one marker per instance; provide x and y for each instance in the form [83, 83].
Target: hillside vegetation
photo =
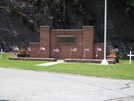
[20, 20]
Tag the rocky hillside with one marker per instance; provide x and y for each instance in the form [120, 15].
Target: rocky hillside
[20, 21]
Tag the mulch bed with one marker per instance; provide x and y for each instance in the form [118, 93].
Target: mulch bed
[89, 60]
[32, 59]
[66, 60]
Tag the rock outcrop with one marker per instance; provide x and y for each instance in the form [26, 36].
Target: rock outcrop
[20, 21]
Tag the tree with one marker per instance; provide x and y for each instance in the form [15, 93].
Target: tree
[129, 4]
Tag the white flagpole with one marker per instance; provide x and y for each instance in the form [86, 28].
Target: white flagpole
[104, 61]
[130, 58]
[70, 53]
[27, 50]
[15, 52]
[39, 52]
[53, 52]
[84, 55]
[96, 53]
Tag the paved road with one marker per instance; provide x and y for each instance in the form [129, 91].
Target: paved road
[23, 85]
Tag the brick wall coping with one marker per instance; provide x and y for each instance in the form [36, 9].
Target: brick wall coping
[66, 29]
[82, 26]
[99, 43]
[44, 26]
[87, 26]
[34, 42]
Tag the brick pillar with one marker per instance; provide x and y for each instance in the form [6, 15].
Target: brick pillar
[45, 41]
[88, 40]
[34, 49]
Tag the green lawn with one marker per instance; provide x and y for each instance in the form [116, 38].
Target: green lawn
[118, 71]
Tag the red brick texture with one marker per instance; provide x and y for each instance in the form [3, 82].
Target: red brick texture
[45, 41]
[98, 54]
[34, 49]
[88, 41]
[49, 40]
[65, 48]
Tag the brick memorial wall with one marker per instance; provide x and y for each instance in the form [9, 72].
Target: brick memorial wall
[64, 40]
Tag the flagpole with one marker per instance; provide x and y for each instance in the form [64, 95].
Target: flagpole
[1, 54]
[104, 61]
[84, 54]
[39, 52]
[15, 51]
[97, 52]
[70, 53]
[27, 52]
[53, 53]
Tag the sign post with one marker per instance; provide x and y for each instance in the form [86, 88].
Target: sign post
[130, 57]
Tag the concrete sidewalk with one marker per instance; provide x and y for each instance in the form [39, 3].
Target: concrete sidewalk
[51, 63]
[23, 85]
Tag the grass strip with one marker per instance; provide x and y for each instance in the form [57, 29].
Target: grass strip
[122, 70]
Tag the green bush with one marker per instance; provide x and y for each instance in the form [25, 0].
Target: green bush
[16, 9]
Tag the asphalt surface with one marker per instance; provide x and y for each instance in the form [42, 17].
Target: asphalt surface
[25, 85]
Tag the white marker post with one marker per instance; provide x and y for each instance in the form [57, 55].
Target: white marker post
[1, 52]
[130, 57]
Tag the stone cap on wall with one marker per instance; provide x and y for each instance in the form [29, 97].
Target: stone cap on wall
[34, 42]
[87, 26]
[44, 26]
[66, 29]
[99, 43]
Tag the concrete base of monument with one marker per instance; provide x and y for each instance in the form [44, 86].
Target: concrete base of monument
[97, 61]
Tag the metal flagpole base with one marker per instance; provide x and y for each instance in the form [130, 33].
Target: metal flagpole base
[104, 62]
